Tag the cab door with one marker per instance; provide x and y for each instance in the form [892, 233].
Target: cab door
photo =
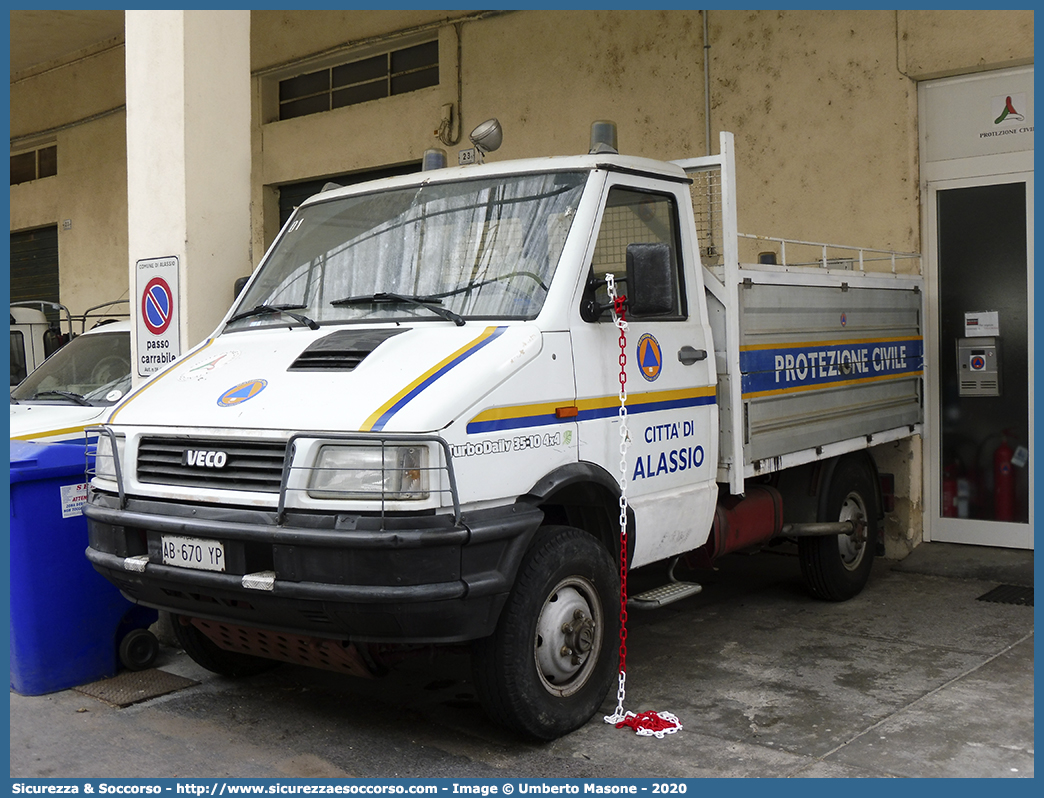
[671, 413]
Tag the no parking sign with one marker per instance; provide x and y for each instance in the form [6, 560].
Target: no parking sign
[158, 337]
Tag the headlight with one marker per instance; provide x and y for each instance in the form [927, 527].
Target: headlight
[105, 458]
[391, 473]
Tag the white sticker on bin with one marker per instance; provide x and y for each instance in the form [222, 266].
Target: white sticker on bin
[74, 498]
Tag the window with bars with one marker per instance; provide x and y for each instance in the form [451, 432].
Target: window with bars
[384, 75]
[632, 217]
[35, 164]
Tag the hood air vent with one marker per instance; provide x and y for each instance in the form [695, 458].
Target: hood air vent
[342, 350]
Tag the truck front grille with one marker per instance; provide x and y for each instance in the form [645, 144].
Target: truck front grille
[220, 464]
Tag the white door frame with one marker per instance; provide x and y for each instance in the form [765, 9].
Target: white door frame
[964, 143]
[962, 530]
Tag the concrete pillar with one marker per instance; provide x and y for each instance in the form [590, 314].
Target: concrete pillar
[188, 160]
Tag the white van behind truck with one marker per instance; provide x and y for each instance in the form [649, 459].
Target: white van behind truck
[34, 337]
[420, 422]
[75, 388]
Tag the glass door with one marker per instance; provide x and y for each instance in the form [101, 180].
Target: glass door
[980, 387]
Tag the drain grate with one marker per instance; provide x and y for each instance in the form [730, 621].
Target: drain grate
[130, 687]
[1009, 594]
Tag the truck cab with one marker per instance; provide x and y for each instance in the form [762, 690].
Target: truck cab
[433, 417]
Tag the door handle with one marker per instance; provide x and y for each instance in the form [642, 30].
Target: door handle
[687, 355]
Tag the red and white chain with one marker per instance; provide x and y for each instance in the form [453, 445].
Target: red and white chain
[619, 318]
[646, 724]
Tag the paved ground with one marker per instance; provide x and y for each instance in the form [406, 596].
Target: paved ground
[916, 677]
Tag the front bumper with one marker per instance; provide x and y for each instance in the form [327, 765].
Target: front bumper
[406, 579]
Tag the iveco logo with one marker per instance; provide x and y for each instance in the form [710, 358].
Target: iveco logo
[200, 458]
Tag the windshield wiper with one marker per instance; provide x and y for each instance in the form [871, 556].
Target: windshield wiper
[262, 310]
[73, 397]
[489, 281]
[434, 304]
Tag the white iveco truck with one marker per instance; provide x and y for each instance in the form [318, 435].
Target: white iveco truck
[408, 429]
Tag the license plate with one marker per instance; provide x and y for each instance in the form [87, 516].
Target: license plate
[206, 555]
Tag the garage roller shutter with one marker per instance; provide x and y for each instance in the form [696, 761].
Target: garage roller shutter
[34, 265]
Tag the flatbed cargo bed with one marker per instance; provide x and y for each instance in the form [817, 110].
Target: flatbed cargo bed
[819, 347]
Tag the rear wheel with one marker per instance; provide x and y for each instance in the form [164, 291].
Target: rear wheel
[208, 654]
[548, 666]
[837, 567]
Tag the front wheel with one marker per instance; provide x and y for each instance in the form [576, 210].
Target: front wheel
[837, 567]
[548, 666]
[205, 652]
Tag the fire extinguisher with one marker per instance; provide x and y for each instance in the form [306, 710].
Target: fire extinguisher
[949, 492]
[1003, 482]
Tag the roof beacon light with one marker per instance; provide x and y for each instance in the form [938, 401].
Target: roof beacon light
[487, 137]
[603, 137]
[434, 159]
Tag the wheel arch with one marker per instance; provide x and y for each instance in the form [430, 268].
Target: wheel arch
[805, 488]
[585, 496]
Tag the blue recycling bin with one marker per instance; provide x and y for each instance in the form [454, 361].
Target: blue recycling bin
[67, 621]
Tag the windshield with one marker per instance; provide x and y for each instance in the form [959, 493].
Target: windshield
[91, 369]
[483, 249]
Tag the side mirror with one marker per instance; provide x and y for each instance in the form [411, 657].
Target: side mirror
[239, 285]
[650, 281]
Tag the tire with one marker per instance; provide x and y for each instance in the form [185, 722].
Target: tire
[206, 653]
[138, 649]
[566, 599]
[837, 567]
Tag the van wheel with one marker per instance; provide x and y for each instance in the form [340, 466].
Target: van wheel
[206, 653]
[837, 567]
[547, 668]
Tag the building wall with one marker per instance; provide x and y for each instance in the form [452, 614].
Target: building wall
[823, 102]
[89, 83]
[940, 44]
[279, 38]
[591, 65]
[826, 126]
[547, 76]
[79, 107]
